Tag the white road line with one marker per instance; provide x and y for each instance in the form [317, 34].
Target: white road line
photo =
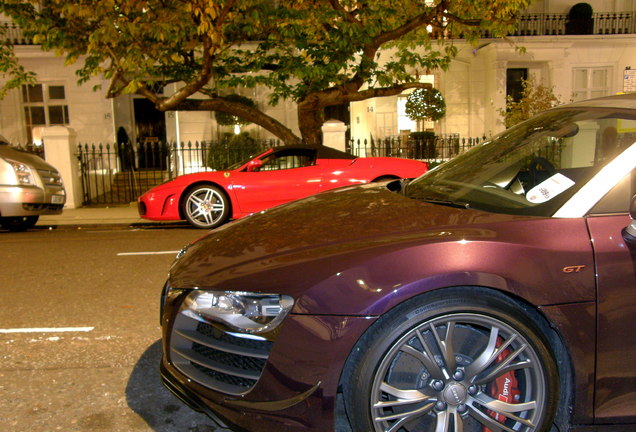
[47, 330]
[147, 253]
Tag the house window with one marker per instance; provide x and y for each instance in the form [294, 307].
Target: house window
[590, 83]
[514, 83]
[44, 105]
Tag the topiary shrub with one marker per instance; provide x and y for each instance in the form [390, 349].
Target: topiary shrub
[425, 103]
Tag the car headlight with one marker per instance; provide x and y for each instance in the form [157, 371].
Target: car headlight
[23, 173]
[252, 313]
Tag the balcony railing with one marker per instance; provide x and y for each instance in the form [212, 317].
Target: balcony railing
[602, 23]
[556, 24]
[11, 32]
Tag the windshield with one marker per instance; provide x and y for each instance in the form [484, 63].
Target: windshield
[532, 168]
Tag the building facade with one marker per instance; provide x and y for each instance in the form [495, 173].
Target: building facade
[577, 66]
[590, 60]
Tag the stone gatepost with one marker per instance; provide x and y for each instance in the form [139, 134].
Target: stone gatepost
[60, 146]
[333, 134]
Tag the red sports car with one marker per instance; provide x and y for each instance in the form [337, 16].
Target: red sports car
[279, 175]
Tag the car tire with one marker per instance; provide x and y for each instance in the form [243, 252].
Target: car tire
[18, 223]
[409, 373]
[206, 206]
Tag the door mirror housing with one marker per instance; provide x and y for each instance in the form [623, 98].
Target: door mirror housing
[254, 165]
[630, 230]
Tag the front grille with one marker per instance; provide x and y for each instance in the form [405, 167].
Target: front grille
[45, 206]
[216, 359]
[50, 177]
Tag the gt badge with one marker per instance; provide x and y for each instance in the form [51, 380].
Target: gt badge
[573, 269]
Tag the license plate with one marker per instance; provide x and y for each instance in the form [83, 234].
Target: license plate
[57, 199]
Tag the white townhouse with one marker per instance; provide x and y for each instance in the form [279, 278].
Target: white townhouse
[582, 50]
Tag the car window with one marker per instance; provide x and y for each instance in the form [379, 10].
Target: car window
[532, 168]
[619, 198]
[287, 160]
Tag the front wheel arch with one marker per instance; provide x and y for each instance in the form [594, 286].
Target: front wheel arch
[196, 185]
[383, 178]
[483, 297]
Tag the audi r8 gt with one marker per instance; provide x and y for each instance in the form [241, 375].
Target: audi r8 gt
[279, 175]
[496, 292]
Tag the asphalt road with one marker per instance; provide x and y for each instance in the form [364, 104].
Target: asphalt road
[79, 331]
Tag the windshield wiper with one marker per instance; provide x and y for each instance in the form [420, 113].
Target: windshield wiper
[455, 204]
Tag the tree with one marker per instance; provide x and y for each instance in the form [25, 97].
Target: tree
[535, 98]
[226, 119]
[318, 53]
[425, 103]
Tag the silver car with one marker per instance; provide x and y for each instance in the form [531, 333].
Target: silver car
[29, 187]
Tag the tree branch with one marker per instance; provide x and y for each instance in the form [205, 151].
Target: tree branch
[192, 87]
[369, 52]
[349, 15]
[386, 91]
[251, 114]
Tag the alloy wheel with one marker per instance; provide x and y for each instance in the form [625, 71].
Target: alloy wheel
[459, 372]
[205, 207]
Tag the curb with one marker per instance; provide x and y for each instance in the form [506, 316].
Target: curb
[112, 226]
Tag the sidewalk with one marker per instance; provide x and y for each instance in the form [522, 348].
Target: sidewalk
[122, 216]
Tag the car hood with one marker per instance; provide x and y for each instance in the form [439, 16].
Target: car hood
[37, 162]
[328, 225]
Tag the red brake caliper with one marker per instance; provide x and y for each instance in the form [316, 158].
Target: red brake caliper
[505, 388]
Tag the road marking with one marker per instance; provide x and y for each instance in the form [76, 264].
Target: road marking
[47, 330]
[147, 253]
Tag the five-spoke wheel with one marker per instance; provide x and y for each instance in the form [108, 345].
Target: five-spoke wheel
[454, 365]
[206, 206]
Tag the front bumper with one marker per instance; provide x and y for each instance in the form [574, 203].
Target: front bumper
[30, 201]
[298, 387]
[160, 205]
[187, 397]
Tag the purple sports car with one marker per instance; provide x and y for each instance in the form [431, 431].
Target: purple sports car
[496, 292]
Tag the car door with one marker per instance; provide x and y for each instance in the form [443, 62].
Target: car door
[615, 396]
[282, 176]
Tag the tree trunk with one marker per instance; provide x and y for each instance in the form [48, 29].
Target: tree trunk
[310, 120]
[310, 124]
[235, 108]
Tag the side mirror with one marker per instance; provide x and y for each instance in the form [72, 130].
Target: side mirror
[631, 228]
[254, 165]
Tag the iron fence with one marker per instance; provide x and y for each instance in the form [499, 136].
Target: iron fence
[119, 173]
[429, 148]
